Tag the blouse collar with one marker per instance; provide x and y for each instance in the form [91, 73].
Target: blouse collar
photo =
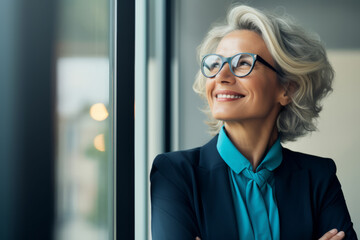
[237, 162]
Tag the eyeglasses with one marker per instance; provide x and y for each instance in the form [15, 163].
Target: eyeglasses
[240, 64]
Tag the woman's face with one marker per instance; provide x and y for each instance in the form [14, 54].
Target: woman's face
[261, 94]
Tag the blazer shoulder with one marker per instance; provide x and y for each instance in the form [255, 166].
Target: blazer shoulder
[312, 163]
[176, 165]
[178, 158]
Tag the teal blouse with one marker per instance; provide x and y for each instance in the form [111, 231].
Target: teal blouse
[253, 192]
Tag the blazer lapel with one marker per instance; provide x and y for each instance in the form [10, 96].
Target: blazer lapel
[292, 190]
[218, 212]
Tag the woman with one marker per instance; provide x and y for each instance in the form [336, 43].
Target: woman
[263, 78]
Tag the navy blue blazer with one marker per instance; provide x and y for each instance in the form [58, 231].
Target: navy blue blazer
[191, 196]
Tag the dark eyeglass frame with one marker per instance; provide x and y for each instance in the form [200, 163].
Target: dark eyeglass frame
[229, 59]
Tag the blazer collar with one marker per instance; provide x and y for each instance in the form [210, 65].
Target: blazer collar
[218, 218]
[209, 156]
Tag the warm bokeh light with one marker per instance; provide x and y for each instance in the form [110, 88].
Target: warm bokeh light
[99, 142]
[99, 112]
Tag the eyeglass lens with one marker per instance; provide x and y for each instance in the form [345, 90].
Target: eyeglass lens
[241, 65]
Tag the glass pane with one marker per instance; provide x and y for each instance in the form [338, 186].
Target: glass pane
[84, 172]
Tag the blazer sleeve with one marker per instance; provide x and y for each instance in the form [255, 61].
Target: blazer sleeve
[333, 211]
[172, 215]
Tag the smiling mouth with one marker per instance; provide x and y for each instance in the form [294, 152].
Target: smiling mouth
[229, 96]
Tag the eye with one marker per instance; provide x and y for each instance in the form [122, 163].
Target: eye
[214, 65]
[243, 62]
[211, 65]
[212, 62]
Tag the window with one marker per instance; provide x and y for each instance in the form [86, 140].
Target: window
[84, 150]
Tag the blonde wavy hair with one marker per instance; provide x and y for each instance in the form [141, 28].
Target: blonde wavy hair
[299, 56]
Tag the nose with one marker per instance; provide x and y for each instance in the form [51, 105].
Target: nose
[225, 75]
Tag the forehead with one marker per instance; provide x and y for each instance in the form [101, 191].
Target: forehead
[242, 41]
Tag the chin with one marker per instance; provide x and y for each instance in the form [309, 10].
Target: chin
[225, 117]
[226, 114]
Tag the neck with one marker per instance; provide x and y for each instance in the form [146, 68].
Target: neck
[252, 139]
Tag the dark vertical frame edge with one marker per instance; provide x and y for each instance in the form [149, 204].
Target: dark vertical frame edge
[125, 58]
[167, 69]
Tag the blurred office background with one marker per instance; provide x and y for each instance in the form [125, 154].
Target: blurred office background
[69, 73]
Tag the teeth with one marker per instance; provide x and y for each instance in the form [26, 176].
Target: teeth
[228, 96]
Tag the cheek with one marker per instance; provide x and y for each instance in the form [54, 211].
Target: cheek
[209, 88]
[265, 90]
